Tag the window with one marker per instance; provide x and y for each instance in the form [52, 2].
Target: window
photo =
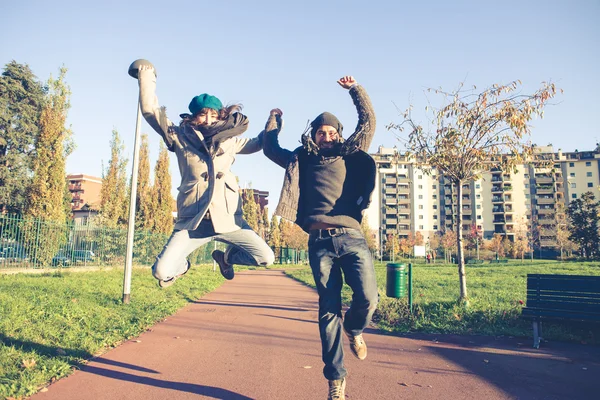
[588, 163]
[477, 186]
[420, 197]
[420, 217]
[420, 206]
[420, 177]
[434, 196]
[421, 227]
[479, 206]
[420, 186]
[527, 186]
[527, 196]
[479, 217]
[574, 196]
[434, 186]
[478, 197]
[435, 227]
[435, 217]
[588, 174]
[526, 176]
[572, 174]
[571, 164]
[590, 184]
[435, 206]
[573, 185]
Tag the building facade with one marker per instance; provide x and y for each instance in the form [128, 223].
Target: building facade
[529, 202]
[84, 189]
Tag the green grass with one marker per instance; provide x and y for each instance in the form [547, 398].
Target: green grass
[53, 322]
[496, 294]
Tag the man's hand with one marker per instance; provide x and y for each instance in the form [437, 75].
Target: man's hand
[276, 111]
[346, 81]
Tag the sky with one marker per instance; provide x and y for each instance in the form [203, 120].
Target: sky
[289, 55]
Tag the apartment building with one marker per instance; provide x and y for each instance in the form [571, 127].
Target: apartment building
[84, 189]
[511, 203]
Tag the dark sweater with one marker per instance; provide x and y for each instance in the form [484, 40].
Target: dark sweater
[338, 202]
[331, 191]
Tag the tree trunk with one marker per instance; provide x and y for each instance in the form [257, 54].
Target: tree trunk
[459, 244]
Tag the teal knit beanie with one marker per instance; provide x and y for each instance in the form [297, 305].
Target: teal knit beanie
[204, 100]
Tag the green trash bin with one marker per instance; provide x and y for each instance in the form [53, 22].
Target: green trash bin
[396, 281]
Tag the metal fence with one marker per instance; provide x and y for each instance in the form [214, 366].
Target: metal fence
[35, 243]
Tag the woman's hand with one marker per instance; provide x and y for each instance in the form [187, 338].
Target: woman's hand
[146, 68]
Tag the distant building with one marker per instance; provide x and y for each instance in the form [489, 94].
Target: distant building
[260, 197]
[509, 203]
[84, 189]
[85, 214]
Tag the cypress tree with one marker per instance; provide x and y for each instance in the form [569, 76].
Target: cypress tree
[144, 210]
[21, 100]
[163, 220]
[113, 196]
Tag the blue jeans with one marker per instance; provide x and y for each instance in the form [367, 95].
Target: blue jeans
[245, 248]
[329, 257]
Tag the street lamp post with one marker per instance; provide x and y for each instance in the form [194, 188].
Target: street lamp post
[133, 72]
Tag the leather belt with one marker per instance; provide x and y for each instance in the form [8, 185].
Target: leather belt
[328, 232]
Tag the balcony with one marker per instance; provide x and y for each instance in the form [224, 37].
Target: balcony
[507, 188]
[544, 189]
[543, 179]
[403, 189]
[390, 231]
[545, 200]
[390, 181]
[546, 211]
[390, 201]
[497, 210]
[391, 221]
[558, 179]
[496, 199]
[497, 189]
[496, 178]
[390, 191]
[499, 221]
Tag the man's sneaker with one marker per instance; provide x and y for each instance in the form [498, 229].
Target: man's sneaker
[337, 389]
[169, 282]
[226, 269]
[357, 345]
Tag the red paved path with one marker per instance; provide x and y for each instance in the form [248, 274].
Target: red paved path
[256, 337]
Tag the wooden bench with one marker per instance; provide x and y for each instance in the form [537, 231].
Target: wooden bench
[474, 261]
[561, 297]
[498, 261]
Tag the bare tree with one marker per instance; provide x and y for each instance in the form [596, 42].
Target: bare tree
[471, 133]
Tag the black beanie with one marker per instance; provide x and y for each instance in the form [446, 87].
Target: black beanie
[325, 119]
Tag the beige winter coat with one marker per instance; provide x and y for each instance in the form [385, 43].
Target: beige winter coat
[207, 183]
